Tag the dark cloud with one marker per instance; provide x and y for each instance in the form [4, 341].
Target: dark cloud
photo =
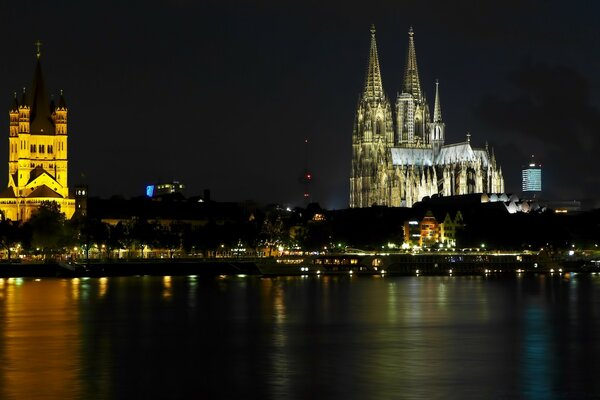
[550, 114]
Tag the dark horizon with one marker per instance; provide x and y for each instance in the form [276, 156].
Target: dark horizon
[221, 95]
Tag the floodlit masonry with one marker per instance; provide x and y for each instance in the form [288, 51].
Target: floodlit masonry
[399, 157]
[37, 153]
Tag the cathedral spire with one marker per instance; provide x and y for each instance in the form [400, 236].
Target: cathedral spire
[373, 84]
[412, 84]
[437, 110]
[41, 121]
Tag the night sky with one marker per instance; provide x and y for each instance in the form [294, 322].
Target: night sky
[221, 94]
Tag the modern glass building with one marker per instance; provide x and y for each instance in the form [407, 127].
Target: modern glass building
[532, 177]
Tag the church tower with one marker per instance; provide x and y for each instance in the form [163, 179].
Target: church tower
[372, 136]
[437, 127]
[38, 161]
[412, 110]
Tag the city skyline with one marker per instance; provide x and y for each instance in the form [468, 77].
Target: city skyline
[222, 95]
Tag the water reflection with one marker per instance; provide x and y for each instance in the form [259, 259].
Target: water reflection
[326, 337]
[167, 288]
[537, 372]
[192, 287]
[40, 341]
[103, 286]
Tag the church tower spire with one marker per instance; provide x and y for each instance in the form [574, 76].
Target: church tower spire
[437, 109]
[412, 110]
[373, 84]
[372, 138]
[412, 83]
[437, 129]
[41, 121]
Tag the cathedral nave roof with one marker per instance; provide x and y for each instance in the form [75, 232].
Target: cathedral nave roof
[453, 153]
[412, 156]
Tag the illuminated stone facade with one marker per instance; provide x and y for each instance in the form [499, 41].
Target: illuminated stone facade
[399, 157]
[37, 153]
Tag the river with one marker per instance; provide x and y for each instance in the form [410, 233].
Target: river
[528, 337]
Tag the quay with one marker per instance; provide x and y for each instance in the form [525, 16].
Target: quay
[350, 263]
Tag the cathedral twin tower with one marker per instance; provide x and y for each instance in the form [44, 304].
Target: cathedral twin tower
[399, 161]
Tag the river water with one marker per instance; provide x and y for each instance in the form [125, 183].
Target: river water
[299, 338]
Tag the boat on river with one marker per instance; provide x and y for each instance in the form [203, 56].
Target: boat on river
[428, 263]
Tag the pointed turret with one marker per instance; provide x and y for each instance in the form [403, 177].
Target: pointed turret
[373, 85]
[437, 108]
[14, 123]
[437, 128]
[412, 83]
[60, 116]
[15, 103]
[61, 101]
[23, 102]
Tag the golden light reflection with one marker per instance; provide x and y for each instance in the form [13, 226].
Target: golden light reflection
[167, 287]
[391, 309]
[279, 304]
[75, 288]
[39, 339]
[280, 359]
[442, 295]
[103, 286]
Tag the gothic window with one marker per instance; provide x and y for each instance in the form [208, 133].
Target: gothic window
[50, 149]
[380, 127]
[32, 148]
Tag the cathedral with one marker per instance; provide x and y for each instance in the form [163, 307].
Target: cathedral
[37, 153]
[399, 155]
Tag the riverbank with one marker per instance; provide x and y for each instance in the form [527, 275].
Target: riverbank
[127, 268]
[327, 264]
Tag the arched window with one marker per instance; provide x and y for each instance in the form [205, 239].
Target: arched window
[380, 126]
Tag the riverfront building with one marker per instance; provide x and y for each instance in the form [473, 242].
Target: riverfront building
[399, 153]
[37, 152]
[429, 232]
